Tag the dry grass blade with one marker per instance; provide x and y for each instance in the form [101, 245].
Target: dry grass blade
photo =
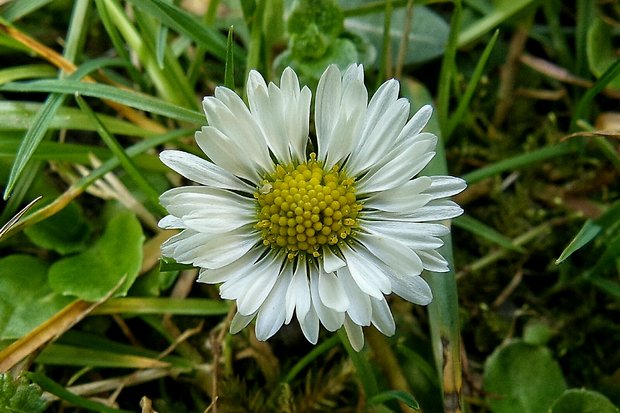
[68, 67]
[49, 330]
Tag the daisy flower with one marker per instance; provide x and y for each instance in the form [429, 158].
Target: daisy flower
[322, 228]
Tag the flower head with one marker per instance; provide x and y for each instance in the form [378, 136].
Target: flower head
[322, 229]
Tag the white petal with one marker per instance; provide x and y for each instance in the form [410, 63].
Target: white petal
[171, 222]
[393, 253]
[229, 114]
[298, 294]
[435, 211]
[369, 278]
[239, 322]
[202, 171]
[328, 95]
[345, 134]
[252, 291]
[267, 107]
[404, 198]
[445, 186]
[331, 319]
[310, 326]
[412, 288]
[331, 292]
[382, 317]
[331, 262]
[398, 167]
[359, 309]
[296, 113]
[354, 333]
[433, 261]
[271, 315]
[244, 266]
[380, 133]
[224, 153]
[417, 122]
[401, 232]
[223, 249]
[209, 210]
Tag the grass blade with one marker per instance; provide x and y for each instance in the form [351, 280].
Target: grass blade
[484, 231]
[31, 140]
[126, 97]
[56, 389]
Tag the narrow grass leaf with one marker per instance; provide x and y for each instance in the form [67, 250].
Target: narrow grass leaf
[229, 70]
[448, 68]
[58, 390]
[589, 231]
[484, 231]
[77, 188]
[125, 161]
[186, 24]
[444, 309]
[20, 115]
[126, 97]
[76, 153]
[585, 103]
[362, 367]
[162, 305]
[12, 74]
[310, 357]
[31, 140]
[64, 355]
[520, 161]
[15, 10]
[399, 395]
[503, 11]
[457, 117]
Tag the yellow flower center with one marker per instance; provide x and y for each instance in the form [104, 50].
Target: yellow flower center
[303, 207]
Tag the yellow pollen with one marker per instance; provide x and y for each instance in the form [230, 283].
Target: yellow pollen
[301, 208]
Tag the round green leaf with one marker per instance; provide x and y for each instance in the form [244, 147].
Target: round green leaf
[426, 39]
[26, 299]
[522, 378]
[66, 232]
[92, 274]
[583, 401]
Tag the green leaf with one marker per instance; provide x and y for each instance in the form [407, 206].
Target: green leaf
[426, 40]
[503, 11]
[186, 24]
[66, 232]
[522, 378]
[26, 299]
[126, 97]
[64, 355]
[18, 9]
[21, 115]
[31, 140]
[163, 305]
[583, 401]
[399, 395]
[20, 396]
[56, 389]
[92, 274]
[600, 49]
[229, 69]
[26, 72]
[484, 231]
[590, 230]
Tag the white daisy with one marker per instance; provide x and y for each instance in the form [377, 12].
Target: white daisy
[323, 229]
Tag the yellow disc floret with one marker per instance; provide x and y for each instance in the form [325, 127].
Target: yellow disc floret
[303, 207]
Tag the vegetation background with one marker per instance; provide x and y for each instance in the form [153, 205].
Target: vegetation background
[526, 95]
